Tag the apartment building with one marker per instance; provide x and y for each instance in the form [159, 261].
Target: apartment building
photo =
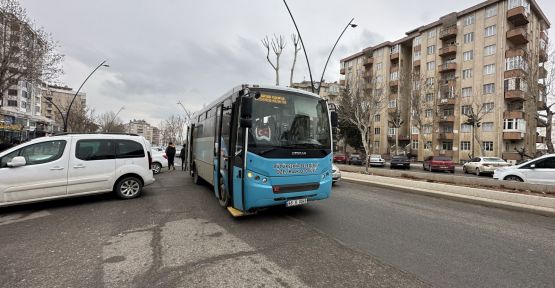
[484, 63]
[141, 127]
[328, 91]
[61, 96]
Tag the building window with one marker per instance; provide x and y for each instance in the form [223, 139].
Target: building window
[432, 33]
[489, 88]
[465, 128]
[466, 91]
[491, 10]
[379, 66]
[466, 110]
[429, 97]
[430, 81]
[377, 131]
[468, 55]
[12, 92]
[515, 84]
[467, 73]
[468, 37]
[431, 66]
[465, 145]
[12, 103]
[488, 107]
[490, 50]
[391, 131]
[518, 125]
[392, 103]
[469, 20]
[395, 49]
[517, 62]
[488, 145]
[447, 145]
[415, 130]
[394, 76]
[431, 49]
[377, 118]
[416, 40]
[428, 145]
[488, 127]
[490, 31]
[517, 3]
[429, 113]
[427, 129]
[416, 55]
[414, 145]
[379, 79]
[489, 69]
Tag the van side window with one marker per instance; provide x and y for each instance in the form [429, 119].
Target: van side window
[129, 149]
[39, 153]
[95, 149]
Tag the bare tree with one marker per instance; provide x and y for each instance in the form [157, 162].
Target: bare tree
[419, 104]
[296, 48]
[541, 88]
[108, 122]
[277, 45]
[82, 120]
[26, 52]
[359, 105]
[172, 129]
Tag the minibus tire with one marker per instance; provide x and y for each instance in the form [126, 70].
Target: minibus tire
[196, 178]
[221, 187]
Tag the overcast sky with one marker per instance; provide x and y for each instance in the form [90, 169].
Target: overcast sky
[164, 51]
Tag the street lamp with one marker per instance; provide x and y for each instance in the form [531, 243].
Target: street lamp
[113, 119]
[350, 24]
[65, 119]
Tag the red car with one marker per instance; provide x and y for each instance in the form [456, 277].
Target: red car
[340, 158]
[438, 163]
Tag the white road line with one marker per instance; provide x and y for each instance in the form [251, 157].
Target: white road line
[20, 217]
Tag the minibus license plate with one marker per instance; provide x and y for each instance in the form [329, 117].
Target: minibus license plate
[296, 202]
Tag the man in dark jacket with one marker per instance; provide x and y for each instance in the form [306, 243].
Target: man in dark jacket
[170, 153]
[183, 156]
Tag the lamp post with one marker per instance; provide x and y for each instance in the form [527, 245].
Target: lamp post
[114, 119]
[350, 24]
[65, 119]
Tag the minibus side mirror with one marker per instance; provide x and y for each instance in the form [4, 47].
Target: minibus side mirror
[246, 112]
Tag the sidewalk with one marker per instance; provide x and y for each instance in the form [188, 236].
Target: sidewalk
[513, 201]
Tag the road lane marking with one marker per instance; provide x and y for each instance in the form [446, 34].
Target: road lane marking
[20, 217]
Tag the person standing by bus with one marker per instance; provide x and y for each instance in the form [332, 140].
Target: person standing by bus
[170, 153]
[183, 156]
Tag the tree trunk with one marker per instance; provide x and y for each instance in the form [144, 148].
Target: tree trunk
[277, 70]
[548, 140]
[397, 141]
[364, 135]
[293, 69]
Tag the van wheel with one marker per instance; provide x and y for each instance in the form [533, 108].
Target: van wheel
[222, 193]
[129, 187]
[196, 178]
[156, 167]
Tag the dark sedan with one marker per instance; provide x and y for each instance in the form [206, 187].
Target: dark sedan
[356, 160]
[400, 161]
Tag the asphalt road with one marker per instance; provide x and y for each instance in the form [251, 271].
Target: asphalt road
[176, 235]
[414, 167]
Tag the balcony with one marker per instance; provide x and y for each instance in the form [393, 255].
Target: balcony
[543, 55]
[394, 56]
[368, 74]
[516, 73]
[518, 16]
[342, 71]
[342, 82]
[416, 63]
[448, 32]
[514, 52]
[446, 136]
[417, 48]
[515, 114]
[391, 110]
[369, 62]
[447, 51]
[511, 156]
[449, 118]
[518, 36]
[446, 101]
[513, 135]
[447, 67]
[543, 36]
[515, 95]
[393, 83]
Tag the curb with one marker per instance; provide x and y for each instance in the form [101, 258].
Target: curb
[544, 211]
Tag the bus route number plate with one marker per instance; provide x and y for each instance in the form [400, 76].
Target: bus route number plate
[296, 202]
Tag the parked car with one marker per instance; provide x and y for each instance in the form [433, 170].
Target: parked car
[356, 159]
[376, 160]
[538, 171]
[484, 165]
[177, 150]
[159, 161]
[400, 161]
[41, 169]
[336, 174]
[438, 163]
[340, 158]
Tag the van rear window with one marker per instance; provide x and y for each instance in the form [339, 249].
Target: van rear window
[129, 149]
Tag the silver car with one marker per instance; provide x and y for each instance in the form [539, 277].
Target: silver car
[376, 160]
[336, 174]
[484, 165]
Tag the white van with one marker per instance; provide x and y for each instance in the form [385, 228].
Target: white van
[68, 165]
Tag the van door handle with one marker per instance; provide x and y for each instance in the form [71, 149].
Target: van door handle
[57, 168]
[79, 166]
